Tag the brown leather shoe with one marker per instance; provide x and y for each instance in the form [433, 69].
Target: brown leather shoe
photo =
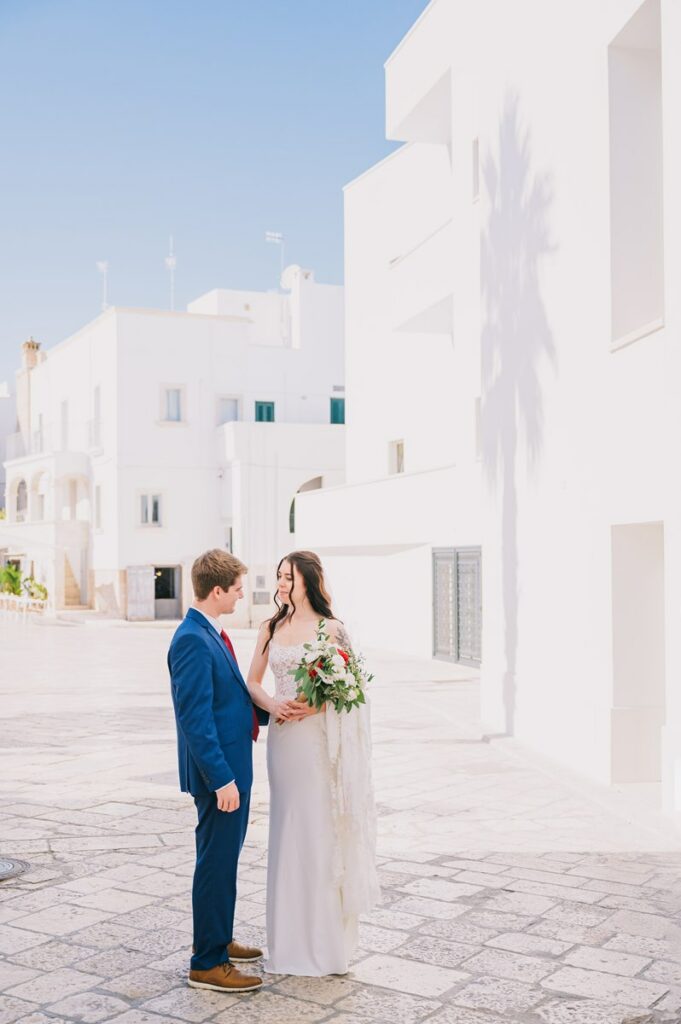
[224, 978]
[240, 954]
[243, 954]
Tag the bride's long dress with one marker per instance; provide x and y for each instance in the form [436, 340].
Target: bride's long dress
[321, 858]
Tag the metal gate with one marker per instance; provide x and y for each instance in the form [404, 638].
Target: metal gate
[140, 588]
[457, 605]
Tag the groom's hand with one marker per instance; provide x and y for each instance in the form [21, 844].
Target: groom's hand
[228, 797]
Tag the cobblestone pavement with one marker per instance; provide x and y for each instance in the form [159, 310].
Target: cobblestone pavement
[512, 892]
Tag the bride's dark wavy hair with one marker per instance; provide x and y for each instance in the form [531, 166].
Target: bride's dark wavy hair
[308, 564]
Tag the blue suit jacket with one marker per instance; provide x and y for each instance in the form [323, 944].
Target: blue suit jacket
[213, 710]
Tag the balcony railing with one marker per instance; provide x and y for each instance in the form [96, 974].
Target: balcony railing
[422, 284]
[20, 445]
[94, 433]
[15, 447]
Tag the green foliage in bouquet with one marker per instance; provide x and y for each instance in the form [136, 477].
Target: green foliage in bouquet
[329, 674]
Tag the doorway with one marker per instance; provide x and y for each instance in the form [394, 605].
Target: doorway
[167, 592]
[638, 652]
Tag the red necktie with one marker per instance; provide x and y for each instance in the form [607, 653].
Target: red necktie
[228, 642]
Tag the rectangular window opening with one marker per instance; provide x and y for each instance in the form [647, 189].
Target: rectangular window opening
[264, 412]
[173, 405]
[636, 198]
[337, 410]
[150, 509]
[396, 457]
[228, 410]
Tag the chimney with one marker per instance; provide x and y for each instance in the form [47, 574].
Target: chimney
[30, 354]
[30, 357]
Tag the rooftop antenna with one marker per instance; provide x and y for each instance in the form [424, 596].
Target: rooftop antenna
[103, 268]
[276, 238]
[171, 263]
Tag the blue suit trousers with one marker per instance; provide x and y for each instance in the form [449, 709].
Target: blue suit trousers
[219, 838]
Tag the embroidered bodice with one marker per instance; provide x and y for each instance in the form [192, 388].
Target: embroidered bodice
[282, 659]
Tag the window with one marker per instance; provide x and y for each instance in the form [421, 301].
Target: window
[338, 410]
[39, 436]
[476, 169]
[264, 412]
[98, 507]
[172, 406]
[228, 410]
[636, 213]
[72, 508]
[396, 457]
[477, 413]
[96, 433]
[64, 426]
[150, 509]
[22, 501]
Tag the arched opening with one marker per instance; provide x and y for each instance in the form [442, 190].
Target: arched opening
[310, 485]
[21, 503]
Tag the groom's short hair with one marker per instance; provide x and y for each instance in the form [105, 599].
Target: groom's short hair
[215, 568]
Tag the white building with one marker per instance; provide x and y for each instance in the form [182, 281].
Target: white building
[8, 420]
[149, 436]
[525, 247]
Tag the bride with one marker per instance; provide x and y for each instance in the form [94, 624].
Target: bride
[321, 872]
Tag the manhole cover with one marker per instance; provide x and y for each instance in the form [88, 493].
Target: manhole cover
[10, 868]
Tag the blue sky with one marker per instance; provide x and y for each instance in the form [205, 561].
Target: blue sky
[125, 121]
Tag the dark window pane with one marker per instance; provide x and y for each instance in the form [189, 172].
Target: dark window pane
[264, 412]
[338, 410]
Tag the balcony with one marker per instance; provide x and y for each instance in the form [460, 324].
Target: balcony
[418, 79]
[19, 446]
[421, 284]
[40, 453]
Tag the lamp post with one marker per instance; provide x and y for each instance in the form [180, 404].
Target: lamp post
[103, 268]
[171, 263]
[276, 238]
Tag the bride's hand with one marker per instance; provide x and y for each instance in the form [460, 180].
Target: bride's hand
[281, 711]
[299, 709]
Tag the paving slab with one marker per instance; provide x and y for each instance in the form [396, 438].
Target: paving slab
[513, 892]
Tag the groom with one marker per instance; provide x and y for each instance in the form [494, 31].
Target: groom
[216, 725]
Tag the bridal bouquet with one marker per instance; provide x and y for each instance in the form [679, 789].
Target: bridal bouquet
[329, 674]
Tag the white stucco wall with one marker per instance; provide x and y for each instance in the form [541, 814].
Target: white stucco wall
[573, 349]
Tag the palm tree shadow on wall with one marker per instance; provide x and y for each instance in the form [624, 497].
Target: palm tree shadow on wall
[515, 340]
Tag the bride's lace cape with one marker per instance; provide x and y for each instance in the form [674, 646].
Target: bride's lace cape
[348, 744]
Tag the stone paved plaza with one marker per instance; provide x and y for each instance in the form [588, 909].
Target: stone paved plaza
[512, 891]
